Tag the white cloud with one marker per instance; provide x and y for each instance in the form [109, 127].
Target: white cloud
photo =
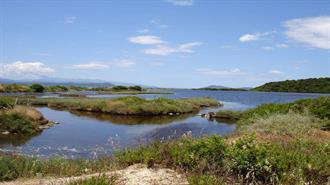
[24, 70]
[90, 66]
[254, 37]
[143, 31]
[146, 40]
[96, 65]
[218, 72]
[312, 31]
[70, 20]
[181, 2]
[164, 50]
[281, 46]
[276, 72]
[248, 37]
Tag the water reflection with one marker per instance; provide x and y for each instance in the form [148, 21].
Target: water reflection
[132, 120]
[15, 140]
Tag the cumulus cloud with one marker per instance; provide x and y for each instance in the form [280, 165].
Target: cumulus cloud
[24, 70]
[90, 66]
[146, 40]
[181, 2]
[254, 37]
[164, 50]
[219, 72]
[312, 31]
[276, 72]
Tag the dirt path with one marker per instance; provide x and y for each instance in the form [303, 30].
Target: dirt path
[137, 174]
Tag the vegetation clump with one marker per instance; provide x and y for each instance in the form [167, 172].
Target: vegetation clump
[129, 105]
[318, 107]
[99, 180]
[19, 120]
[311, 85]
[37, 88]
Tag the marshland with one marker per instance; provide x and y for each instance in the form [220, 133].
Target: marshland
[242, 139]
[164, 92]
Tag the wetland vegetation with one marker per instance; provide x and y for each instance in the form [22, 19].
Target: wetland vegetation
[274, 144]
[129, 105]
[20, 120]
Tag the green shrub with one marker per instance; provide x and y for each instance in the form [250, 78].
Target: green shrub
[205, 180]
[17, 123]
[201, 155]
[100, 180]
[250, 160]
[135, 88]
[119, 88]
[7, 169]
[6, 102]
[37, 88]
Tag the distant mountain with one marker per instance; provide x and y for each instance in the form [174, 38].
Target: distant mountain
[217, 87]
[68, 82]
[310, 85]
[61, 81]
[224, 87]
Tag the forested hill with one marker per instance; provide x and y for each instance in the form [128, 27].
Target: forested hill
[311, 85]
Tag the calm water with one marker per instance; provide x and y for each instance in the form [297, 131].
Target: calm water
[89, 135]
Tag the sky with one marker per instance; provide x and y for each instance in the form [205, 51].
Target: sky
[166, 43]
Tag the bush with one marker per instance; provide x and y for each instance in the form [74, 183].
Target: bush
[37, 88]
[6, 102]
[7, 169]
[135, 88]
[17, 123]
[205, 154]
[120, 88]
[205, 180]
[250, 161]
[100, 180]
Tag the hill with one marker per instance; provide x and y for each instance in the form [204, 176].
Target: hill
[310, 85]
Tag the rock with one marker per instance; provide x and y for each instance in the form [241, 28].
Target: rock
[209, 115]
[171, 114]
[5, 132]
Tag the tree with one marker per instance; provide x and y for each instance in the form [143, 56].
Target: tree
[37, 88]
[135, 88]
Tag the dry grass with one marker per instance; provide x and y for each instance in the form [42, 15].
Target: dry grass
[29, 112]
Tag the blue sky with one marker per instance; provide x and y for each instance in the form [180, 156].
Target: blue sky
[167, 43]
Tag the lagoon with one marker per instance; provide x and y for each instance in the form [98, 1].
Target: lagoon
[91, 135]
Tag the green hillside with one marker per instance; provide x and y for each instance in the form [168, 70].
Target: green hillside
[310, 85]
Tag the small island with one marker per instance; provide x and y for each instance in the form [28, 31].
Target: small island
[20, 120]
[129, 105]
